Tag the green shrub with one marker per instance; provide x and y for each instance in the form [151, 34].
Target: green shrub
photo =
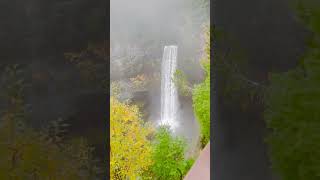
[168, 158]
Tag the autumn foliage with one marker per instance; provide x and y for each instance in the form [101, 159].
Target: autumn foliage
[130, 147]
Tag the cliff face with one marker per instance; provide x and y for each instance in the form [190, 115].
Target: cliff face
[273, 40]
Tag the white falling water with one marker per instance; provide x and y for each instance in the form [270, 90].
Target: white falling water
[169, 95]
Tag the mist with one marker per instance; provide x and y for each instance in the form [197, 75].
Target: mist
[148, 25]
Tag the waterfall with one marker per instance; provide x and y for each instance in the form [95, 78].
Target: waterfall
[169, 94]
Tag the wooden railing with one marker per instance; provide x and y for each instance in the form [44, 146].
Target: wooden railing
[201, 168]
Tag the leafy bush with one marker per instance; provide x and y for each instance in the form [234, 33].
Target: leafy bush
[168, 156]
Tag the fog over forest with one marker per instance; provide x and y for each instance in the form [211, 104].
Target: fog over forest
[143, 27]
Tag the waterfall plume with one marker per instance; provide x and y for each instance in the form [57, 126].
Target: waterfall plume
[169, 94]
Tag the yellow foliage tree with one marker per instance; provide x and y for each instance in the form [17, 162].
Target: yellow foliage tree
[130, 148]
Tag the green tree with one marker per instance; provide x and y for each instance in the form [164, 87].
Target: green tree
[168, 158]
[201, 96]
[292, 114]
[200, 93]
[292, 109]
[180, 80]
